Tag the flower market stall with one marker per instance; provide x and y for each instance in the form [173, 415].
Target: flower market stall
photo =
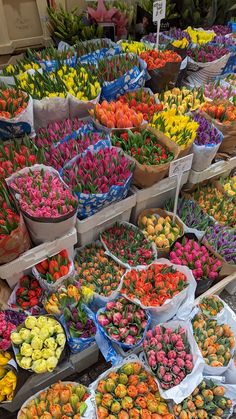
[118, 227]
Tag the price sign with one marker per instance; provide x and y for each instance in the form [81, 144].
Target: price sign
[159, 10]
[177, 168]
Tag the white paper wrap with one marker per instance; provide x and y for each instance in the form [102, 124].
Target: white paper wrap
[49, 110]
[52, 287]
[203, 156]
[17, 123]
[80, 108]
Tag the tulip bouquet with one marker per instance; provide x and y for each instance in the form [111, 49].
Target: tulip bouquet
[183, 100]
[200, 36]
[211, 306]
[7, 378]
[38, 344]
[9, 320]
[153, 286]
[123, 322]
[158, 59]
[207, 134]
[51, 58]
[223, 241]
[27, 295]
[229, 185]
[67, 294]
[43, 194]
[231, 79]
[169, 355]
[162, 230]
[207, 53]
[97, 271]
[134, 47]
[215, 203]
[54, 267]
[97, 173]
[70, 400]
[221, 30]
[180, 43]
[78, 323]
[208, 400]
[117, 67]
[128, 244]
[226, 41]
[9, 217]
[181, 129]
[143, 146]
[12, 103]
[116, 115]
[190, 213]
[142, 101]
[214, 340]
[19, 68]
[224, 113]
[84, 47]
[57, 131]
[197, 257]
[129, 391]
[220, 91]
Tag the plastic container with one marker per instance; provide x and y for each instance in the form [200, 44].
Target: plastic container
[155, 196]
[89, 229]
[215, 169]
[14, 270]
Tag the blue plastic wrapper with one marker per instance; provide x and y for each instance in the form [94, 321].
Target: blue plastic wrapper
[77, 345]
[231, 64]
[95, 56]
[52, 65]
[131, 80]
[89, 204]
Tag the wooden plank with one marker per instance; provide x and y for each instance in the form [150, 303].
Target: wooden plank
[216, 289]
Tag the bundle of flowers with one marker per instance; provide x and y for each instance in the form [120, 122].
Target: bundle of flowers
[200, 36]
[43, 194]
[221, 30]
[78, 323]
[180, 43]
[133, 46]
[143, 146]
[116, 115]
[54, 267]
[183, 100]
[123, 322]
[12, 102]
[7, 378]
[162, 230]
[214, 340]
[97, 271]
[169, 355]
[158, 59]
[142, 101]
[231, 79]
[135, 391]
[117, 67]
[38, 344]
[206, 133]
[68, 294]
[51, 58]
[19, 68]
[223, 241]
[211, 306]
[197, 257]
[9, 217]
[71, 400]
[207, 53]
[207, 400]
[27, 295]
[128, 244]
[224, 113]
[153, 286]
[226, 41]
[57, 131]
[229, 185]
[181, 129]
[85, 47]
[9, 320]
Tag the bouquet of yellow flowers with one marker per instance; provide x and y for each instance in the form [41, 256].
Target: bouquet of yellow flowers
[7, 378]
[183, 100]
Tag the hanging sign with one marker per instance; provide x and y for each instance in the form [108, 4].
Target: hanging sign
[177, 168]
[159, 12]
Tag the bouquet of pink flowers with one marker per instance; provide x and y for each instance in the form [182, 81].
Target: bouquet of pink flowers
[9, 320]
[56, 131]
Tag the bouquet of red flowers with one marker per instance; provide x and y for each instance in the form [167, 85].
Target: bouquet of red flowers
[27, 295]
[55, 267]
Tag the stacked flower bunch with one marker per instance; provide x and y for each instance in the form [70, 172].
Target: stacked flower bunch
[181, 129]
[57, 131]
[116, 68]
[183, 100]
[159, 59]
[28, 296]
[78, 323]
[208, 400]
[71, 400]
[54, 267]
[231, 79]
[153, 286]
[211, 306]
[142, 101]
[220, 91]
[79, 82]
[216, 341]
[97, 173]
[16, 156]
[9, 320]
[129, 392]
[116, 115]
[143, 146]
[221, 30]
[229, 185]
[223, 241]
[127, 243]
[38, 344]
[84, 47]
[51, 58]
[97, 271]
[19, 68]
[226, 41]
[7, 378]
[207, 53]
[68, 294]
[12, 102]
[199, 36]
[9, 217]
[134, 47]
[224, 113]
[169, 355]
[42, 194]
[123, 322]
[197, 257]
[215, 203]
[206, 132]
[163, 231]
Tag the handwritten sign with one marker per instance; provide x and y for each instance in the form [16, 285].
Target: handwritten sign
[159, 10]
[181, 165]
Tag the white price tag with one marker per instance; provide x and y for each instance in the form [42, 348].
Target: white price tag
[159, 10]
[178, 167]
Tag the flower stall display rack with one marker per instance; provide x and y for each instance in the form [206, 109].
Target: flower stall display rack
[216, 169]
